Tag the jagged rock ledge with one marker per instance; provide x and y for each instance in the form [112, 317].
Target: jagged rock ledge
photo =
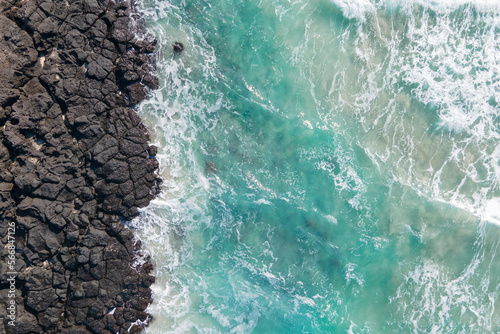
[74, 164]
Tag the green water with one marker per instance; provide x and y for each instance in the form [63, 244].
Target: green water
[356, 147]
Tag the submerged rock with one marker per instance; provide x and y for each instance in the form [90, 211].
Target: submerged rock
[210, 167]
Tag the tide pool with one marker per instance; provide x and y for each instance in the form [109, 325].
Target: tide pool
[329, 166]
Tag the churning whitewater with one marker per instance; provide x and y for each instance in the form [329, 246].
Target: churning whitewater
[329, 166]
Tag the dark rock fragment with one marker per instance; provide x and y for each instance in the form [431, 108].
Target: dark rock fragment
[178, 47]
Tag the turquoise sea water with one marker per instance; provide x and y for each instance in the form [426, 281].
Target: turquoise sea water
[357, 153]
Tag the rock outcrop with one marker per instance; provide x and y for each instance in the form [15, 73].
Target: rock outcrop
[75, 164]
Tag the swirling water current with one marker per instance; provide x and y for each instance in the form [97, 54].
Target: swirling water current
[330, 166]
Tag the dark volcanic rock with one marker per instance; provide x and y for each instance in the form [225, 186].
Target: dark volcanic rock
[178, 47]
[74, 163]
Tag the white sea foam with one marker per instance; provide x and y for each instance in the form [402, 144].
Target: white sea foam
[431, 299]
[446, 52]
[454, 68]
[449, 60]
[491, 211]
[450, 5]
[174, 112]
[331, 219]
[263, 201]
[355, 8]
[352, 275]
[339, 165]
[424, 160]
[358, 9]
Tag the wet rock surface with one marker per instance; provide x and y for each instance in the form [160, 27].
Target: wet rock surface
[75, 163]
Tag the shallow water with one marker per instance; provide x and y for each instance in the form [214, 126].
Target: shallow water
[357, 153]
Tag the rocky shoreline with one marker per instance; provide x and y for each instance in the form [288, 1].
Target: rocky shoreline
[75, 164]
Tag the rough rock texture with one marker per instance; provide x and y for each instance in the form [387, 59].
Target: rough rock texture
[74, 164]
